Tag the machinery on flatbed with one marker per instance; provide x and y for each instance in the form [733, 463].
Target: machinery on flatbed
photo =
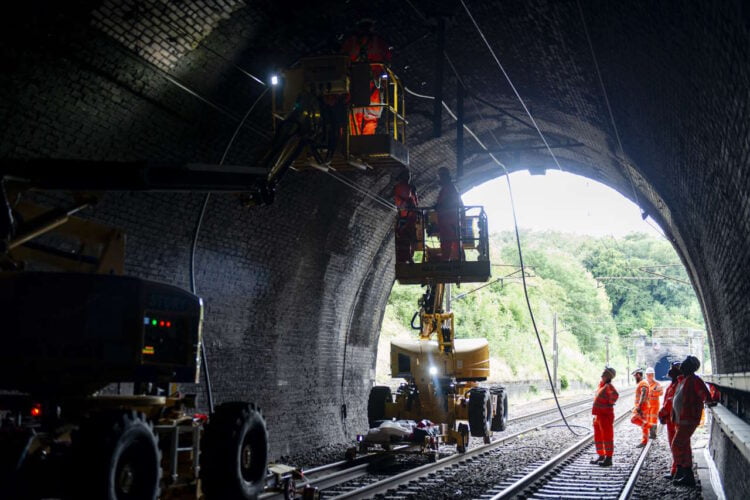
[442, 373]
[88, 407]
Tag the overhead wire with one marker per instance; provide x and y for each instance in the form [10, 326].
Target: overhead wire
[510, 82]
[515, 219]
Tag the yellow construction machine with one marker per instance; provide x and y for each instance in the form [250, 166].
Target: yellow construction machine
[442, 373]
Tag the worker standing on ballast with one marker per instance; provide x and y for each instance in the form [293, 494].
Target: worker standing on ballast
[640, 411]
[665, 414]
[364, 46]
[604, 418]
[687, 406]
[406, 200]
[655, 391]
[449, 209]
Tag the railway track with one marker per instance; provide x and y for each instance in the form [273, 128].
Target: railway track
[370, 484]
[570, 474]
[366, 476]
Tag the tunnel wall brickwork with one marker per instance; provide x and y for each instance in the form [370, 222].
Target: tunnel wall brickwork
[296, 290]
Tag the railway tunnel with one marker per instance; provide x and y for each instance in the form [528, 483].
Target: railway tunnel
[650, 99]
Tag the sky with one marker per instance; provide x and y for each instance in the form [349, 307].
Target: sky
[559, 201]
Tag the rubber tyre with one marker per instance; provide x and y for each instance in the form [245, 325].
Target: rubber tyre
[379, 396]
[480, 412]
[116, 456]
[234, 452]
[500, 420]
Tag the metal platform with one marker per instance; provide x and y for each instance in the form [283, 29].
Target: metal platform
[366, 152]
[441, 271]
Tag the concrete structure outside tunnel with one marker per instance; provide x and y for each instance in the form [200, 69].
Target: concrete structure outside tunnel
[665, 346]
[295, 292]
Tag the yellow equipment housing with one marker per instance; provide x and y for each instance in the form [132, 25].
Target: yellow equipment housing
[469, 362]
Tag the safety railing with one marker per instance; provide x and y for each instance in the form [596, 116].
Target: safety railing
[448, 245]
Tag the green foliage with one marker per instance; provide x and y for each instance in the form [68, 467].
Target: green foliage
[564, 382]
[561, 271]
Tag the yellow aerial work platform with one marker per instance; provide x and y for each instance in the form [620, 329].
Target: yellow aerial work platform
[429, 265]
[323, 94]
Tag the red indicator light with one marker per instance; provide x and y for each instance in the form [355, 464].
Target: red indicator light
[36, 410]
[161, 323]
[169, 324]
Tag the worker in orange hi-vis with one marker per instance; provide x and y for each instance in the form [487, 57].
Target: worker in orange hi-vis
[406, 200]
[604, 418]
[665, 414]
[365, 46]
[449, 208]
[640, 411]
[687, 406]
[655, 391]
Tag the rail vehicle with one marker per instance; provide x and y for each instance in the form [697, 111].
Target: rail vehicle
[91, 359]
[89, 406]
[442, 374]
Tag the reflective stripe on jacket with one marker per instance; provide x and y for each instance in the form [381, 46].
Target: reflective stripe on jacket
[687, 404]
[641, 396]
[605, 399]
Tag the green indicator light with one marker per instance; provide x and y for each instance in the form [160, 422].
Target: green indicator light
[153, 322]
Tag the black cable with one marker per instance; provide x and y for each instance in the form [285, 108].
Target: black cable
[194, 246]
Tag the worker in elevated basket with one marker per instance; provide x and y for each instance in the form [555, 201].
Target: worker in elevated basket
[640, 410]
[655, 391]
[604, 418]
[406, 200]
[665, 414]
[687, 406]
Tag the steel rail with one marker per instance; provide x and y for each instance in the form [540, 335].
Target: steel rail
[535, 475]
[629, 488]
[392, 482]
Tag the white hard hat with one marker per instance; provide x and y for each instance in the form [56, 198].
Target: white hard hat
[650, 369]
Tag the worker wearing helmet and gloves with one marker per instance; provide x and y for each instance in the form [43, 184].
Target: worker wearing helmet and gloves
[449, 209]
[687, 406]
[604, 417]
[655, 391]
[640, 411]
[665, 414]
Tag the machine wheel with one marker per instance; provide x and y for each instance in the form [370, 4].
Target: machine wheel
[379, 396]
[234, 452]
[116, 457]
[500, 420]
[480, 412]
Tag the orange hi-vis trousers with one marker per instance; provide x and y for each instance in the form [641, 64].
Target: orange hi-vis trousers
[604, 434]
[646, 428]
[682, 453]
[671, 429]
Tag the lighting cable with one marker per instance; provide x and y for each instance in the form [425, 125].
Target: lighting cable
[196, 233]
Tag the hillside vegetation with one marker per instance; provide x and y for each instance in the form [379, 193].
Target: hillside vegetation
[561, 270]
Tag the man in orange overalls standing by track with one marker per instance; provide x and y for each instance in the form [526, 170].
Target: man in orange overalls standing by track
[604, 418]
[687, 406]
[654, 393]
[665, 414]
[640, 411]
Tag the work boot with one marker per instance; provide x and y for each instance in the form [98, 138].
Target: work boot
[607, 462]
[652, 432]
[597, 460]
[687, 479]
[669, 476]
[641, 445]
[680, 472]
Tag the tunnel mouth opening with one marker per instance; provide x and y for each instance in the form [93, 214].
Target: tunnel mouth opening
[554, 250]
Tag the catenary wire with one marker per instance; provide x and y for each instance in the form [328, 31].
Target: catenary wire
[520, 254]
[510, 82]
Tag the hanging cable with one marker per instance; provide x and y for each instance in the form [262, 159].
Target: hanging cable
[379, 199]
[520, 253]
[193, 247]
[510, 82]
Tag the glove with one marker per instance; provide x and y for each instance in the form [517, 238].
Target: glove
[662, 420]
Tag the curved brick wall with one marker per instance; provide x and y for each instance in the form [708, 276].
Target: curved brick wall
[295, 292]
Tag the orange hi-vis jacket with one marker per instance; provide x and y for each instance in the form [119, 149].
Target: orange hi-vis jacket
[666, 409]
[641, 396]
[605, 399]
[654, 392]
[687, 403]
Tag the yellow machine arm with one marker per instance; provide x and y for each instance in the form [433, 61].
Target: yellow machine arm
[434, 320]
